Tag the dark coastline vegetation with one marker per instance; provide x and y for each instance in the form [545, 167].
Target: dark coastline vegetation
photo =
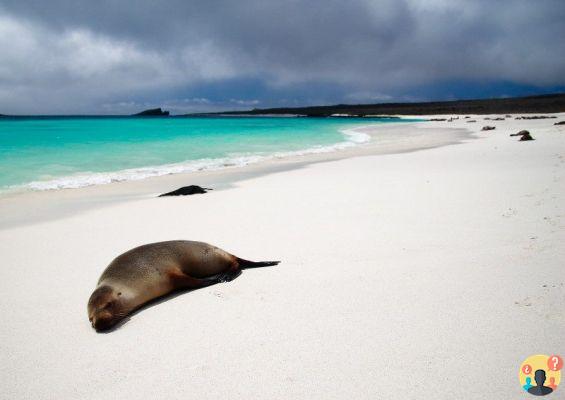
[550, 103]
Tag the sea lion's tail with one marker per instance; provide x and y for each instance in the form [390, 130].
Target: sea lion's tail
[245, 264]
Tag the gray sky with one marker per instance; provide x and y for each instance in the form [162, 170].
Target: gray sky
[120, 57]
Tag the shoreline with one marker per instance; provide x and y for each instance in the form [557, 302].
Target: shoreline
[55, 203]
[349, 137]
[393, 267]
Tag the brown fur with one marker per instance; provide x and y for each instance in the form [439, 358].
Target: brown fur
[153, 270]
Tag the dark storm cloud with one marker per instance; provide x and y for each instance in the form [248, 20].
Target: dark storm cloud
[82, 56]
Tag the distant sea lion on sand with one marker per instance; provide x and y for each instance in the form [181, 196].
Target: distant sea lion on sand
[186, 191]
[524, 135]
[154, 270]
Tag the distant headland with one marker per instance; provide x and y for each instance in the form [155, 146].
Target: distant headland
[153, 112]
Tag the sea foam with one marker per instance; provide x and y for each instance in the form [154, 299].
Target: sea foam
[353, 137]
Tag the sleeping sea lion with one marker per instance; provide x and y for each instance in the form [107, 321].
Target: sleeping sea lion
[154, 270]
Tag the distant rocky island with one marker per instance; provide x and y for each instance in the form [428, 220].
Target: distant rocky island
[550, 103]
[153, 112]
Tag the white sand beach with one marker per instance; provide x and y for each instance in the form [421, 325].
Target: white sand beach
[428, 274]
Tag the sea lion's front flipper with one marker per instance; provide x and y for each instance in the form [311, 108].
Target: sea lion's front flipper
[182, 281]
[223, 277]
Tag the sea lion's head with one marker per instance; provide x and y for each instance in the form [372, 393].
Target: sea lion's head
[105, 308]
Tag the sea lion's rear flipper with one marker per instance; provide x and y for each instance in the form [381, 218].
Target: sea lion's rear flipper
[245, 264]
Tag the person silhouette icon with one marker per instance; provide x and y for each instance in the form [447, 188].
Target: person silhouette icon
[540, 389]
[528, 383]
[552, 384]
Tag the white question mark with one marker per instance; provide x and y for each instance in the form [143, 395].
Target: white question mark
[555, 362]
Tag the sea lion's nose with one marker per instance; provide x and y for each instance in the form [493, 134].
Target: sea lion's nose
[102, 323]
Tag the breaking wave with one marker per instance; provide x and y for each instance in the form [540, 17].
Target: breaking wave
[353, 137]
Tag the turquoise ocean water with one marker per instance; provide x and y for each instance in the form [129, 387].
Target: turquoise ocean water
[69, 152]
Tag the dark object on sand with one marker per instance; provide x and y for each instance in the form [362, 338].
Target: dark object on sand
[471, 120]
[498, 119]
[186, 191]
[438, 119]
[154, 112]
[488, 128]
[536, 117]
[525, 135]
[559, 123]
